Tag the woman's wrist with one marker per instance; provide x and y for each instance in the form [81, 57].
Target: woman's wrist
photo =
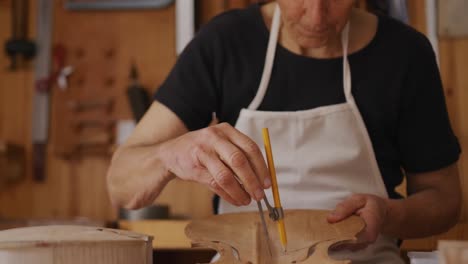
[161, 161]
[395, 215]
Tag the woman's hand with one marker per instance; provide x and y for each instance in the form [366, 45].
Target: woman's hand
[372, 209]
[221, 157]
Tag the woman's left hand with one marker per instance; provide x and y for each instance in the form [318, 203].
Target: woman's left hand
[372, 209]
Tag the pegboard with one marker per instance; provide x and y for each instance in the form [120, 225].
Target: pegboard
[100, 47]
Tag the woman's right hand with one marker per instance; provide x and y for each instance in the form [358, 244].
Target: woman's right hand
[221, 157]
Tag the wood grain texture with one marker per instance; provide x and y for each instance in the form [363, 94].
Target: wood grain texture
[187, 200]
[15, 121]
[73, 245]
[309, 236]
[168, 234]
[207, 9]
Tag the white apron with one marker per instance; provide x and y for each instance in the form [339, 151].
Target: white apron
[322, 155]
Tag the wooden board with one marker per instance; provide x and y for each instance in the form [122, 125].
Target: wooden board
[15, 116]
[168, 234]
[309, 237]
[72, 245]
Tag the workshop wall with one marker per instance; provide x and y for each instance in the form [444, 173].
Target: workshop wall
[15, 110]
[101, 46]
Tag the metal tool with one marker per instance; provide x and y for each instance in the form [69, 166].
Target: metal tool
[40, 120]
[275, 215]
[265, 229]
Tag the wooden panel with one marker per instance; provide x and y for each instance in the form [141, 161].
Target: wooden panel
[187, 199]
[12, 164]
[102, 51]
[238, 3]
[417, 14]
[460, 94]
[167, 234]
[15, 122]
[207, 9]
[76, 187]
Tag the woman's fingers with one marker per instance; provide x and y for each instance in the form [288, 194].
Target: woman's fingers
[235, 163]
[347, 208]
[214, 186]
[372, 209]
[239, 163]
[223, 180]
[252, 152]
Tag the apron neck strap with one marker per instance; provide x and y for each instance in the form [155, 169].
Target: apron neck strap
[346, 67]
[270, 58]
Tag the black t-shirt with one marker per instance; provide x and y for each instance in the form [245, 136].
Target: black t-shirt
[395, 82]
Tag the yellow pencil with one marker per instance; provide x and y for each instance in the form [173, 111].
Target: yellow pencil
[274, 185]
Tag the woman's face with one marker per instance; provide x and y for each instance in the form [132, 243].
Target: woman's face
[313, 23]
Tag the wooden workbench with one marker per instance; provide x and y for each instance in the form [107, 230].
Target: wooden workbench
[169, 241]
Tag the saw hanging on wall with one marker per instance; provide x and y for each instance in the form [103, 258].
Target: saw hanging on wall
[115, 4]
[40, 119]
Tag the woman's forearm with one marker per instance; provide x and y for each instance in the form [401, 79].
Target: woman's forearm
[419, 216]
[428, 211]
[136, 176]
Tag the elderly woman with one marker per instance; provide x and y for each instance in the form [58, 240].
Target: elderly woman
[353, 102]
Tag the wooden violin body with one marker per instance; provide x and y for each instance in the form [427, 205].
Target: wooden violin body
[239, 238]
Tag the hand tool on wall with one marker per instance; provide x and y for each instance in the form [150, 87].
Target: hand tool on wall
[116, 5]
[12, 163]
[97, 139]
[137, 95]
[80, 125]
[40, 119]
[105, 105]
[19, 46]
[91, 141]
[91, 136]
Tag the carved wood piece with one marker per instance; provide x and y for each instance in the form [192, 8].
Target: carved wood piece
[239, 237]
